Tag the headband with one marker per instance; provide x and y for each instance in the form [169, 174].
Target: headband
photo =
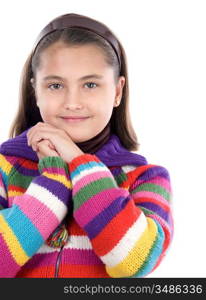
[74, 20]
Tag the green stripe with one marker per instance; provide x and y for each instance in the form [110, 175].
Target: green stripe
[145, 210]
[20, 180]
[4, 177]
[52, 161]
[92, 189]
[120, 178]
[151, 187]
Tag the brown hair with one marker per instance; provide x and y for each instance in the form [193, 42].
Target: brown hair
[28, 113]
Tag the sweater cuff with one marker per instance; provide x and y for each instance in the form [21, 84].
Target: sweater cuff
[52, 162]
[86, 164]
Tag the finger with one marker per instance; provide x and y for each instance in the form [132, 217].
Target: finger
[32, 131]
[45, 150]
[38, 129]
[44, 134]
[47, 143]
[36, 137]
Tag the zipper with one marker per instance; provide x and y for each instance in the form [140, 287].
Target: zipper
[58, 262]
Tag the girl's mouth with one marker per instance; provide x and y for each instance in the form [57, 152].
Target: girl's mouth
[74, 120]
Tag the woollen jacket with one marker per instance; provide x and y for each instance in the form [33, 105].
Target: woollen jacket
[118, 207]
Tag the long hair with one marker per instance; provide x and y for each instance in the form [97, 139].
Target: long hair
[28, 113]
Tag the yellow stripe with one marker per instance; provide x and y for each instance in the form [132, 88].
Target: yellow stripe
[12, 243]
[60, 178]
[14, 193]
[5, 165]
[137, 256]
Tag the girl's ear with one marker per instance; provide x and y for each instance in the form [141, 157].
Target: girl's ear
[119, 90]
[33, 85]
[32, 82]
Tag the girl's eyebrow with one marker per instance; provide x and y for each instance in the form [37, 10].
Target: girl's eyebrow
[91, 76]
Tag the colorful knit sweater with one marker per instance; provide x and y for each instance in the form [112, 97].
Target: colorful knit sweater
[119, 209]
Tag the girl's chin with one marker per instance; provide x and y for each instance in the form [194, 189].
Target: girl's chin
[78, 138]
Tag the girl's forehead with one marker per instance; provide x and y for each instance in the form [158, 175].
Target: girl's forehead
[63, 49]
[82, 54]
[74, 58]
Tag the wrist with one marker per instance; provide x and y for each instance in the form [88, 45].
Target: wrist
[51, 161]
[76, 154]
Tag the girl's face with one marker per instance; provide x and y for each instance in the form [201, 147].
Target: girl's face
[76, 82]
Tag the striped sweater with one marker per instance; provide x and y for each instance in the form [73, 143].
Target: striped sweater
[118, 208]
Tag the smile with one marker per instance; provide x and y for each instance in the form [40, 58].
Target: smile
[74, 120]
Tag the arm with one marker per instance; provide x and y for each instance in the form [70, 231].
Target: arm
[130, 231]
[34, 215]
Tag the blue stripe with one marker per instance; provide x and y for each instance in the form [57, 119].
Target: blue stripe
[86, 166]
[4, 176]
[24, 230]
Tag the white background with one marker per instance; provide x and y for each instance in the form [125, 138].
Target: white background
[166, 50]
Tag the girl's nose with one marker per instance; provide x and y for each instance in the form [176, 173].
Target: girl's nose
[72, 101]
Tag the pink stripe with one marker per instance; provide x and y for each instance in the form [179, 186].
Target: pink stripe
[161, 200]
[162, 182]
[8, 265]
[97, 203]
[81, 256]
[162, 222]
[70, 256]
[159, 181]
[38, 213]
[1, 184]
[85, 180]
[55, 170]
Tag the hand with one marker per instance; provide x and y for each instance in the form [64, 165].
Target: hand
[58, 138]
[45, 148]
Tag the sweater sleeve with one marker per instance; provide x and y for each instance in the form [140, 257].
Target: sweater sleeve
[130, 230]
[33, 216]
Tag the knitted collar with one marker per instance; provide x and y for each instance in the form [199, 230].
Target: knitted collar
[112, 153]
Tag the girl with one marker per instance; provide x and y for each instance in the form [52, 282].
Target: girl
[75, 200]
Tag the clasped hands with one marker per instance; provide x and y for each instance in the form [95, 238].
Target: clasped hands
[48, 140]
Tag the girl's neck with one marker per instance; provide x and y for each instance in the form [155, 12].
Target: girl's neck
[94, 144]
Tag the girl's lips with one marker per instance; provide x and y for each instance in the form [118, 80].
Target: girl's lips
[75, 119]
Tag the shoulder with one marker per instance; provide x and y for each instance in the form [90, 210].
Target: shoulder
[8, 163]
[144, 173]
[17, 147]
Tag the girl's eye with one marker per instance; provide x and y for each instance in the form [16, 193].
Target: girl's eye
[54, 85]
[91, 85]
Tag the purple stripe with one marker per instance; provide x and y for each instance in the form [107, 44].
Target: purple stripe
[25, 171]
[56, 188]
[153, 172]
[3, 202]
[101, 220]
[117, 171]
[156, 209]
